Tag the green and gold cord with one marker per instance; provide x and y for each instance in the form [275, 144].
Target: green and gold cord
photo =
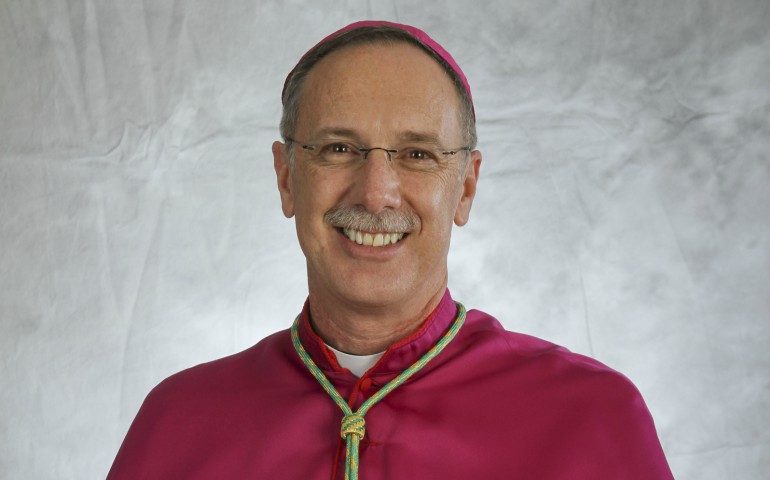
[353, 426]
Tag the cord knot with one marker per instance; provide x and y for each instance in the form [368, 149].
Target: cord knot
[353, 424]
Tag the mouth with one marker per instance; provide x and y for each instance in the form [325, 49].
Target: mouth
[373, 239]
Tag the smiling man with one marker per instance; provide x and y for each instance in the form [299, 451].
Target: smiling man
[383, 375]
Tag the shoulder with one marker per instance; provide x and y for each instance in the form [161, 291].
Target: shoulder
[204, 383]
[547, 367]
[198, 409]
[550, 391]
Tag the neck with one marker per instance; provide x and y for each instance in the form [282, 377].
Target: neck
[364, 329]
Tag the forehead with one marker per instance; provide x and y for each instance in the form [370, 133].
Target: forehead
[382, 89]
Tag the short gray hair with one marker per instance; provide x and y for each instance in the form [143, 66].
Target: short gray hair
[381, 34]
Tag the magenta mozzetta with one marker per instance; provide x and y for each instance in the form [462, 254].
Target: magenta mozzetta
[493, 405]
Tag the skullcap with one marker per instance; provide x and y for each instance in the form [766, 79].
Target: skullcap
[413, 31]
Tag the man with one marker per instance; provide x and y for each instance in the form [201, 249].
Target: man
[382, 375]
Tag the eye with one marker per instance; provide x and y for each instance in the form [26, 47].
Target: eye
[338, 153]
[418, 158]
[415, 154]
[339, 148]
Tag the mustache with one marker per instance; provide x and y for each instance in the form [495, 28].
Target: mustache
[357, 218]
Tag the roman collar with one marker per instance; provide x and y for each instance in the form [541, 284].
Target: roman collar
[396, 358]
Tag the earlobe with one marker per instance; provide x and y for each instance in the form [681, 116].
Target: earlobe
[471, 178]
[283, 177]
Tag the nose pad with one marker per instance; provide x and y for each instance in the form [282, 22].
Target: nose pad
[388, 151]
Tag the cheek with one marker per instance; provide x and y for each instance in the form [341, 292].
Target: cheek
[436, 205]
[308, 190]
[444, 195]
[315, 193]
[305, 212]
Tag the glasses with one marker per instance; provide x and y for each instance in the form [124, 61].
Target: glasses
[419, 156]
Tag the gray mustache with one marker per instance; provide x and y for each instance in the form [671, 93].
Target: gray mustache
[357, 218]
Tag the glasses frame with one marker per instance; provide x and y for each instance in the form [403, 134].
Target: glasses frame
[364, 151]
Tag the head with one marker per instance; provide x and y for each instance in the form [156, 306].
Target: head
[377, 164]
[373, 33]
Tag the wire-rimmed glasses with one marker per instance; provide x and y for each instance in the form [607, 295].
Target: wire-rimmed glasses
[413, 156]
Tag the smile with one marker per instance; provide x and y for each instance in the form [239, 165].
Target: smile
[372, 239]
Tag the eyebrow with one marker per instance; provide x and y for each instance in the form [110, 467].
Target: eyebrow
[421, 137]
[336, 132]
[405, 136]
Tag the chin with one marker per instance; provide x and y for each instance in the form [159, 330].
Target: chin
[375, 296]
[374, 289]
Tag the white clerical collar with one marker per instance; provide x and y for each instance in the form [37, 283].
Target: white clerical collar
[357, 364]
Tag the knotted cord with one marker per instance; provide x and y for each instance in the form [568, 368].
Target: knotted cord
[353, 426]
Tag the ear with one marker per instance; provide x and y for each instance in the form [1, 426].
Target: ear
[471, 177]
[283, 174]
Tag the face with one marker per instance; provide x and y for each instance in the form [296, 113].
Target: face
[388, 96]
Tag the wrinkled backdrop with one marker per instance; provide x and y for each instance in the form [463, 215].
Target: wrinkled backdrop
[623, 211]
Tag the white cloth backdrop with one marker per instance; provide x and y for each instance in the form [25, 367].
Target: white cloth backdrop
[623, 209]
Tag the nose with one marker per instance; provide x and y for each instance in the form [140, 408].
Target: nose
[376, 185]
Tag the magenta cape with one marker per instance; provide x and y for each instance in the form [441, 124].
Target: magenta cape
[492, 405]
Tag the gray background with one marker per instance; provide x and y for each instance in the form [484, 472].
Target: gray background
[622, 210]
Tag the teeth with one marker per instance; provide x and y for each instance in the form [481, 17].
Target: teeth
[372, 239]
